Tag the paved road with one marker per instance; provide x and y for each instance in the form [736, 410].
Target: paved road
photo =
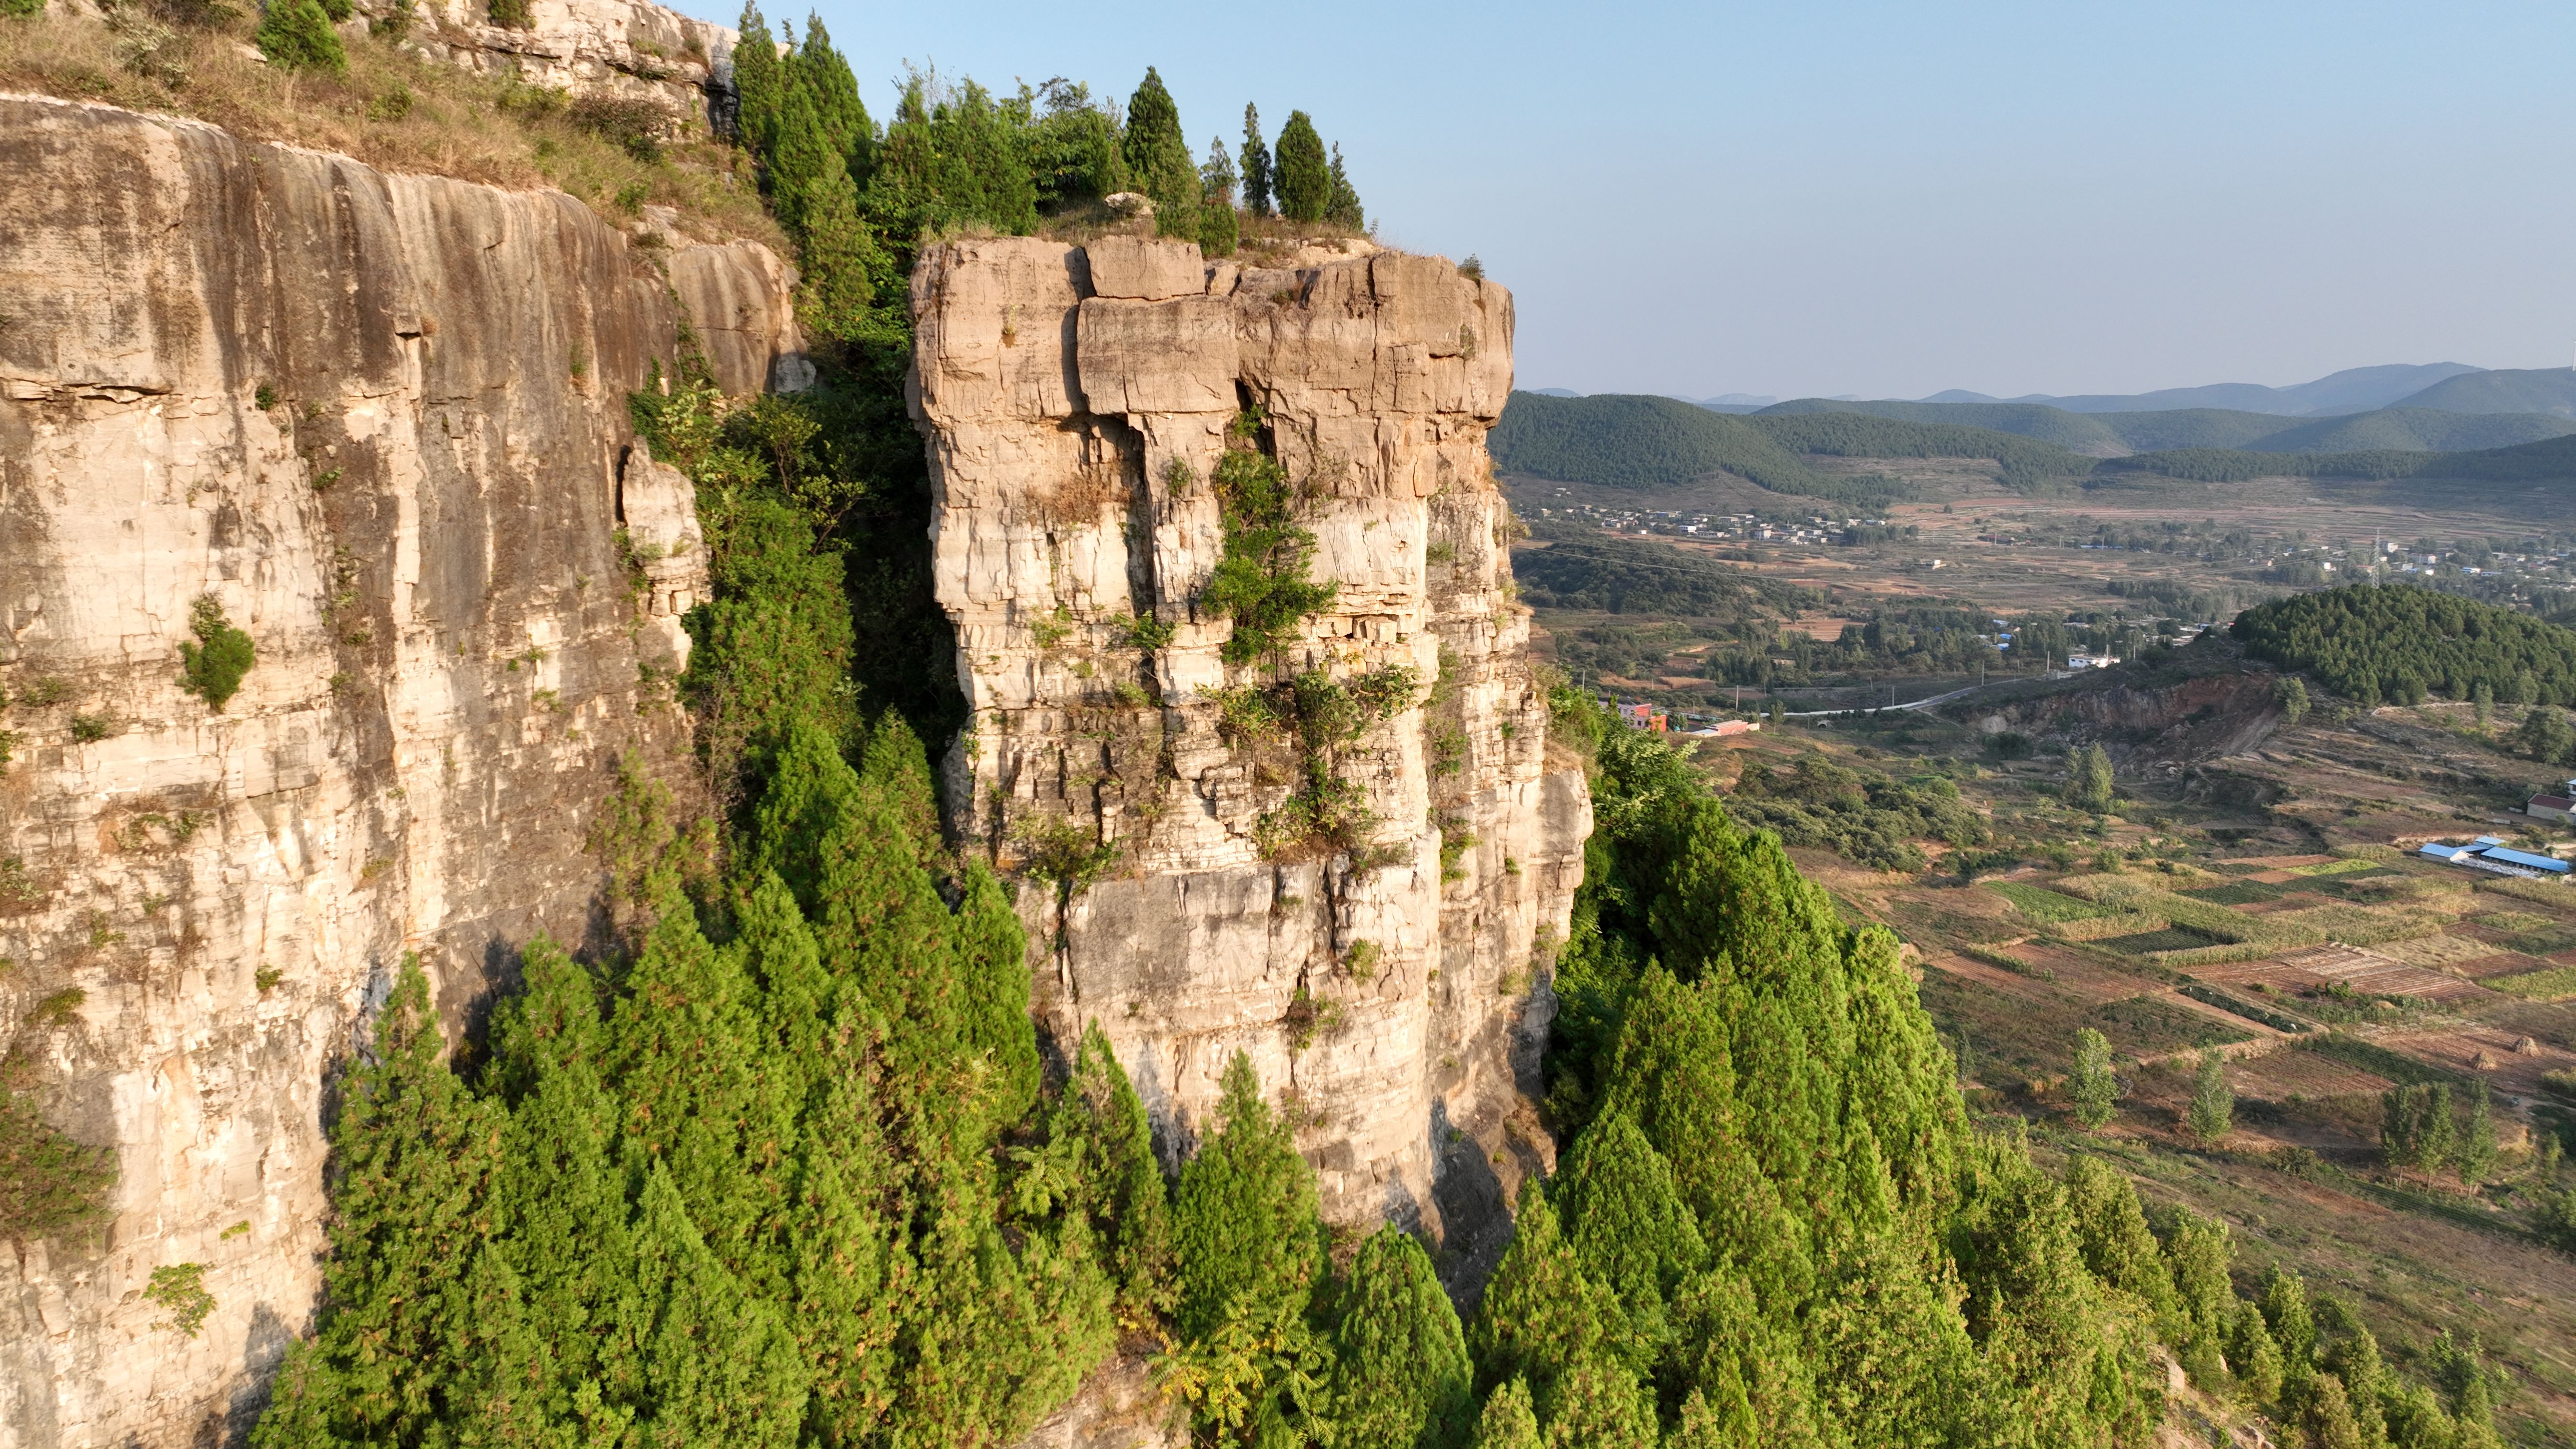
[1917, 703]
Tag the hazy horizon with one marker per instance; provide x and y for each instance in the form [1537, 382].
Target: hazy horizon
[1890, 201]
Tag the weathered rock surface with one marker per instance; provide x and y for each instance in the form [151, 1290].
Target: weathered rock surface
[629, 49]
[382, 419]
[1075, 403]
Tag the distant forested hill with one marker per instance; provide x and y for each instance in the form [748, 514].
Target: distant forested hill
[2401, 643]
[2504, 390]
[2415, 429]
[1618, 440]
[2541, 462]
[2025, 463]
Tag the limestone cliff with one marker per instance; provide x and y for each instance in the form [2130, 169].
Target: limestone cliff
[631, 49]
[382, 421]
[1077, 401]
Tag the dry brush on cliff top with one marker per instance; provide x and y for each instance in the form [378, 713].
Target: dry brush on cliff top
[394, 109]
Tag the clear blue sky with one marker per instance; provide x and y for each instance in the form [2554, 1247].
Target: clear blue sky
[1893, 199]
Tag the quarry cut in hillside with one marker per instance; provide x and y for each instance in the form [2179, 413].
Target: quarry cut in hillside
[381, 423]
[1081, 405]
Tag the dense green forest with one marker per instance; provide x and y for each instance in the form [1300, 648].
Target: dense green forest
[1584, 568]
[2400, 643]
[785, 1163]
[1620, 441]
[2024, 464]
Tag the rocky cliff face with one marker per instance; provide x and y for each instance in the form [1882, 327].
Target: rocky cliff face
[381, 420]
[624, 48]
[1077, 401]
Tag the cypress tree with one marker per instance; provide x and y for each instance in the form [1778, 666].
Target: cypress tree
[838, 112]
[1342, 207]
[2285, 1312]
[996, 1030]
[1303, 178]
[2476, 1155]
[711, 1364]
[1255, 159]
[2111, 1231]
[1598, 1404]
[1218, 228]
[2255, 1355]
[1247, 1253]
[416, 1155]
[297, 35]
[1508, 1420]
[1159, 158]
[561, 1199]
[1540, 1316]
[1129, 1205]
[759, 83]
[798, 156]
[2092, 1085]
[840, 258]
[1625, 1222]
[2213, 1104]
[1400, 1363]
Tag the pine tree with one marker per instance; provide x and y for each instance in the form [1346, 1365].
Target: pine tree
[759, 84]
[296, 34]
[1400, 1375]
[2545, 735]
[1255, 158]
[2213, 1104]
[2482, 698]
[1303, 179]
[1159, 158]
[1342, 206]
[2092, 1085]
[1508, 1421]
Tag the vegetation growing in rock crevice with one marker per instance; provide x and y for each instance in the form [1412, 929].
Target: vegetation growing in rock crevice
[49, 1184]
[221, 655]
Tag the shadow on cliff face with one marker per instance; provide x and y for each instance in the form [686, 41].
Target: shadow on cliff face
[1475, 1215]
[261, 1353]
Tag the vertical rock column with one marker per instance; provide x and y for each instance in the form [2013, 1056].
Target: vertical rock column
[1076, 402]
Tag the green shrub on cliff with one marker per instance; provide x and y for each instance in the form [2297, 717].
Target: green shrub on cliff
[221, 655]
[297, 34]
